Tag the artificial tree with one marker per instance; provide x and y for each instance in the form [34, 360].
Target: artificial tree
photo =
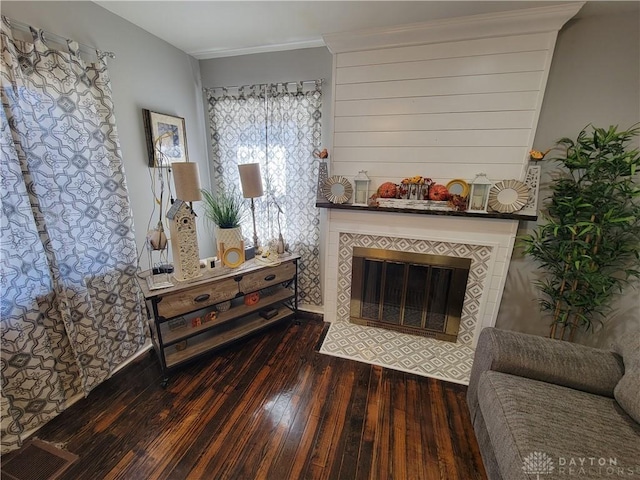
[589, 245]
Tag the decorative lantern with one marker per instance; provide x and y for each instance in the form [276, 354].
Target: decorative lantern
[479, 196]
[184, 241]
[362, 188]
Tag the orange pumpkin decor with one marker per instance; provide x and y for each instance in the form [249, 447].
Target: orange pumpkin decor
[439, 193]
[251, 298]
[387, 190]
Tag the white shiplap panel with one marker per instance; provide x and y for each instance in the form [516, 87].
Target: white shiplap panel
[439, 172]
[447, 67]
[449, 155]
[484, 102]
[502, 82]
[465, 48]
[452, 138]
[436, 121]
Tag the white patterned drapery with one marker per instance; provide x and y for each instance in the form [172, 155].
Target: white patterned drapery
[71, 308]
[278, 126]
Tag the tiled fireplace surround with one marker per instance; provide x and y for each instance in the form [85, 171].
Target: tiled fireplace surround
[487, 242]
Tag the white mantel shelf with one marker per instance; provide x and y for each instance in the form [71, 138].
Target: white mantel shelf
[451, 213]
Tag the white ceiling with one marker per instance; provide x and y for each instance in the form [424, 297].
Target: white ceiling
[210, 29]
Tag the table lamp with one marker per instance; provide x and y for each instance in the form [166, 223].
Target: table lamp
[186, 178]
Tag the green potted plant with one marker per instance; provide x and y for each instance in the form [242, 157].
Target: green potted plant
[589, 246]
[226, 209]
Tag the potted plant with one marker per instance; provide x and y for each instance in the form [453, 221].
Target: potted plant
[589, 246]
[226, 209]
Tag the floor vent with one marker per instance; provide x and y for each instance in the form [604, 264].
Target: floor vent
[36, 460]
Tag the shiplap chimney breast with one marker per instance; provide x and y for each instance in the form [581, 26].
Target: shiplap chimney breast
[444, 99]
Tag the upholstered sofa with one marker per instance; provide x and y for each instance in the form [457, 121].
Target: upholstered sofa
[547, 409]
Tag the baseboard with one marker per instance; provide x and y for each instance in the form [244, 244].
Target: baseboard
[319, 309]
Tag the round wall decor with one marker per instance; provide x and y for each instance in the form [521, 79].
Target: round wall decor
[458, 187]
[508, 196]
[337, 189]
[233, 257]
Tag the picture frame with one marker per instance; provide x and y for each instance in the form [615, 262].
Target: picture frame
[166, 138]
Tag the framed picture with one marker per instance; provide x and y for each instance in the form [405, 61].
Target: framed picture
[166, 138]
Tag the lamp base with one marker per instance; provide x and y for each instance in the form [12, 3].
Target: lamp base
[280, 247]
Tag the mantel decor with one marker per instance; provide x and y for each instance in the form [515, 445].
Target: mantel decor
[479, 195]
[337, 189]
[411, 208]
[171, 129]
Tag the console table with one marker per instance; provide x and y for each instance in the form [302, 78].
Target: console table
[193, 318]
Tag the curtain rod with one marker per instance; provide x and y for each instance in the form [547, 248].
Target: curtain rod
[58, 38]
[265, 83]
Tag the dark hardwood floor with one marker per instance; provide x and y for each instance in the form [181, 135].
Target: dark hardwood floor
[271, 407]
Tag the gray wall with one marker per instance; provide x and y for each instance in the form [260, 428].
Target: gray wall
[147, 73]
[594, 78]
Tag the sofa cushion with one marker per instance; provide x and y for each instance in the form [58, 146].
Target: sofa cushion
[530, 422]
[627, 391]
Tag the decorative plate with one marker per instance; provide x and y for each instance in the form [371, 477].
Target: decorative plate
[337, 189]
[233, 257]
[458, 187]
[508, 196]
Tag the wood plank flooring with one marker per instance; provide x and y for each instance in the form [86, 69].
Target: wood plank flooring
[271, 407]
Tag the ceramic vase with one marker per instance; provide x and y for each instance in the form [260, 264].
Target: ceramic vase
[227, 238]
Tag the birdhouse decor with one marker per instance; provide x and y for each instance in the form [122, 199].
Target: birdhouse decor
[362, 182]
[184, 241]
[479, 194]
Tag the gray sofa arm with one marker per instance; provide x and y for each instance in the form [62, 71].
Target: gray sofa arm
[539, 358]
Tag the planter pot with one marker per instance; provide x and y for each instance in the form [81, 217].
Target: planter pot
[230, 245]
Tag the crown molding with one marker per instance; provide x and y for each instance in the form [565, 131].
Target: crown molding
[218, 53]
[512, 22]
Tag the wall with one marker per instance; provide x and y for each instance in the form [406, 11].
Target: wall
[594, 78]
[443, 110]
[147, 73]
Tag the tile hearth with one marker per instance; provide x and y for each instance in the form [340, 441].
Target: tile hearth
[408, 353]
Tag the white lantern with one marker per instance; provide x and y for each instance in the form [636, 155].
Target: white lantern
[362, 182]
[479, 195]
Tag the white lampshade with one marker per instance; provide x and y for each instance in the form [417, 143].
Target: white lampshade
[187, 181]
[251, 180]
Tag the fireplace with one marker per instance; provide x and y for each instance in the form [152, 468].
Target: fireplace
[414, 293]
[447, 98]
[484, 245]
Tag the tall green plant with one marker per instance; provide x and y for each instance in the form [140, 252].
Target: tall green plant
[589, 246]
[225, 208]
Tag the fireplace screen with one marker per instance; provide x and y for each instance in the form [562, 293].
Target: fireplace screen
[413, 293]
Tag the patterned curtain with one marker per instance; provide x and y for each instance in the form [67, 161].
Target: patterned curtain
[71, 309]
[278, 126]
